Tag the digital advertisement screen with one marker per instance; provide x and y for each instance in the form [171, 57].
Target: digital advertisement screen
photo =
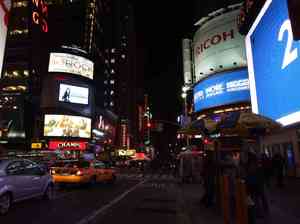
[274, 63]
[77, 65]
[67, 126]
[73, 94]
[222, 89]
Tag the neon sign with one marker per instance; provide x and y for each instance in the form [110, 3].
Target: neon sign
[40, 14]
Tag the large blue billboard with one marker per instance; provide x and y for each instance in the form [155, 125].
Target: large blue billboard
[274, 64]
[222, 89]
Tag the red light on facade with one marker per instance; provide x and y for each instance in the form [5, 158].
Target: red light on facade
[67, 145]
[148, 125]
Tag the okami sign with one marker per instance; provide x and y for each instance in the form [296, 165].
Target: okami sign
[218, 45]
[67, 145]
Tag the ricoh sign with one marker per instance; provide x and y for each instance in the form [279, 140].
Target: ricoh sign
[218, 46]
[67, 145]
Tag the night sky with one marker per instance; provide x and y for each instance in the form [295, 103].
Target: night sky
[160, 26]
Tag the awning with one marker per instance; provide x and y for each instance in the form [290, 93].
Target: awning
[239, 123]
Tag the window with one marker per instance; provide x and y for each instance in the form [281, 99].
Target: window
[15, 168]
[111, 103]
[123, 56]
[112, 71]
[113, 50]
[112, 92]
[99, 165]
[112, 60]
[112, 81]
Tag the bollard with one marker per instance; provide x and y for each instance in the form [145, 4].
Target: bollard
[225, 198]
[241, 202]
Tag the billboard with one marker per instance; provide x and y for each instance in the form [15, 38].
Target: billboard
[69, 63]
[73, 94]
[274, 63]
[67, 126]
[222, 89]
[218, 45]
[67, 145]
[4, 12]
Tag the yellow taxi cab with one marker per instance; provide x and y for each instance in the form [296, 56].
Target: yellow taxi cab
[81, 172]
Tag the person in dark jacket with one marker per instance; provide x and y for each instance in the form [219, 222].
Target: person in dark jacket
[209, 176]
[278, 166]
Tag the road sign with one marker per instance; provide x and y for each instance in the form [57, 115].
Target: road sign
[274, 64]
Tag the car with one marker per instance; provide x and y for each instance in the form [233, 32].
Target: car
[83, 172]
[22, 179]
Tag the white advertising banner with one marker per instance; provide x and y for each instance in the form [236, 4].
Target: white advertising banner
[218, 46]
[4, 12]
[73, 94]
[62, 62]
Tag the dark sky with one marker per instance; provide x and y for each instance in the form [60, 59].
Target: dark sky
[162, 25]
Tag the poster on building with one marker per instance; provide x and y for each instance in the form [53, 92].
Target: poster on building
[218, 45]
[4, 12]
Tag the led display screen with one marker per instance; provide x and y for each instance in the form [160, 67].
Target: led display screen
[67, 126]
[274, 63]
[222, 89]
[68, 63]
[73, 94]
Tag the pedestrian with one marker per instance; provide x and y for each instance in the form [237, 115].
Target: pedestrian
[209, 176]
[255, 184]
[267, 169]
[278, 166]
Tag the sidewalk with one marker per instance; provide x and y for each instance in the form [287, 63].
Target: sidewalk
[197, 213]
[284, 203]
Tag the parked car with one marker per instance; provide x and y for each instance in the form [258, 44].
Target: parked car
[81, 172]
[22, 179]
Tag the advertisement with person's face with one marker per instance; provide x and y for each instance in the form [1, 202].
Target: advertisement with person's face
[67, 126]
[73, 94]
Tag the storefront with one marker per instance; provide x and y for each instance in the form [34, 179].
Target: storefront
[286, 143]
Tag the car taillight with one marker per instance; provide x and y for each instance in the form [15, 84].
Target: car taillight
[79, 173]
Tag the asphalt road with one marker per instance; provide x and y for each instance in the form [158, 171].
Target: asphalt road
[69, 206]
[131, 200]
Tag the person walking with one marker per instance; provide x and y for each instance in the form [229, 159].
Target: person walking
[209, 176]
[255, 183]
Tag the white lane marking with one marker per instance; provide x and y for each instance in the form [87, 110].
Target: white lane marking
[102, 209]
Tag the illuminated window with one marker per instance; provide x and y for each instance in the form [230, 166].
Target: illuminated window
[113, 50]
[16, 73]
[112, 81]
[105, 93]
[112, 60]
[112, 71]
[26, 73]
[123, 56]
[20, 4]
[18, 32]
[111, 103]
[105, 82]
[112, 92]
[106, 61]
[14, 88]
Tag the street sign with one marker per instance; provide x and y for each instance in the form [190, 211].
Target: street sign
[274, 64]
